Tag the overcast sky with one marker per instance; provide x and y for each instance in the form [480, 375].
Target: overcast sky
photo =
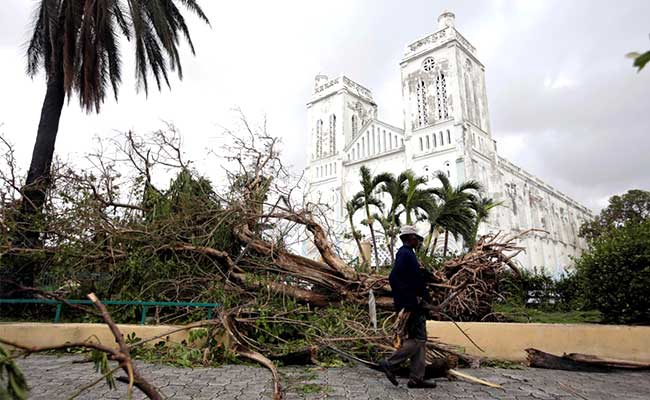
[564, 102]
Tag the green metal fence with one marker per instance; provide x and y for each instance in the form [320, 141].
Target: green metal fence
[144, 304]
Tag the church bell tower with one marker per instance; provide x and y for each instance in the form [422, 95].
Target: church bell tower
[443, 81]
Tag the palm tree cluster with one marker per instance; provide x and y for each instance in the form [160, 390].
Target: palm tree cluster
[449, 210]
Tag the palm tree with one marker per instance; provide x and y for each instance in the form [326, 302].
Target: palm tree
[390, 232]
[352, 207]
[367, 196]
[433, 212]
[394, 188]
[414, 199]
[482, 207]
[456, 215]
[76, 43]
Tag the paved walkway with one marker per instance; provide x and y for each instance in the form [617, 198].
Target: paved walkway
[52, 377]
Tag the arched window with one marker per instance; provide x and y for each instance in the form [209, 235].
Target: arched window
[358, 151]
[441, 96]
[319, 138]
[428, 142]
[383, 140]
[448, 137]
[363, 146]
[396, 141]
[353, 155]
[423, 118]
[332, 148]
[354, 125]
[442, 139]
[447, 170]
[421, 147]
[435, 142]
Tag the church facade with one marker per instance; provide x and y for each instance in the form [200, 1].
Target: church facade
[446, 128]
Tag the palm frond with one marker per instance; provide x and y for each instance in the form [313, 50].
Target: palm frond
[193, 6]
[39, 50]
[77, 41]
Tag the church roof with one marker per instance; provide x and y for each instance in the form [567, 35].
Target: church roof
[332, 86]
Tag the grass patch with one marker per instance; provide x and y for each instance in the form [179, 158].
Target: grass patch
[522, 314]
[312, 388]
[504, 364]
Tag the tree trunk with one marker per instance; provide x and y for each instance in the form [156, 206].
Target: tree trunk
[434, 241]
[372, 235]
[540, 359]
[391, 243]
[38, 178]
[362, 256]
[444, 252]
[472, 241]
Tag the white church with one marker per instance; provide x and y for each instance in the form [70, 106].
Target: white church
[446, 128]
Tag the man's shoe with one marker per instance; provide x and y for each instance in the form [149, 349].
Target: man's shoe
[418, 384]
[389, 374]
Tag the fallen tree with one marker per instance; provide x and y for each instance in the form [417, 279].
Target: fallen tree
[580, 362]
[236, 246]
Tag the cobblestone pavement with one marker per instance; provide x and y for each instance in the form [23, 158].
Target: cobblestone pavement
[52, 377]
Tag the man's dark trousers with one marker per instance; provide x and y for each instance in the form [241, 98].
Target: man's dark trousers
[414, 347]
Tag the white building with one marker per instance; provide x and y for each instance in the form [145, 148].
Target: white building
[446, 128]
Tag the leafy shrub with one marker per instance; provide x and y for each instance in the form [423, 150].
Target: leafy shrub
[616, 274]
[539, 289]
[570, 291]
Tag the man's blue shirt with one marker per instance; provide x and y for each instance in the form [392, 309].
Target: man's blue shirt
[406, 281]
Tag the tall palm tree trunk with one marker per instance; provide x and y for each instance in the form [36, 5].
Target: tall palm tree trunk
[435, 233]
[444, 252]
[372, 235]
[474, 236]
[362, 256]
[391, 243]
[434, 244]
[38, 178]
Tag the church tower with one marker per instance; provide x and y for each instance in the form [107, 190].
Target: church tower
[443, 80]
[445, 101]
[338, 110]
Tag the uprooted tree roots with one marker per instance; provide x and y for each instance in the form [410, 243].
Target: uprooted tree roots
[234, 246]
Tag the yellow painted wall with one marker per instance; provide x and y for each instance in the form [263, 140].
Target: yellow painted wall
[508, 341]
[46, 334]
[501, 341]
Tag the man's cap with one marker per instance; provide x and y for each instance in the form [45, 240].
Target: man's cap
[409, 230]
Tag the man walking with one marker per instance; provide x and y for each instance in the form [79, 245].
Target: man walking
[409, 293]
